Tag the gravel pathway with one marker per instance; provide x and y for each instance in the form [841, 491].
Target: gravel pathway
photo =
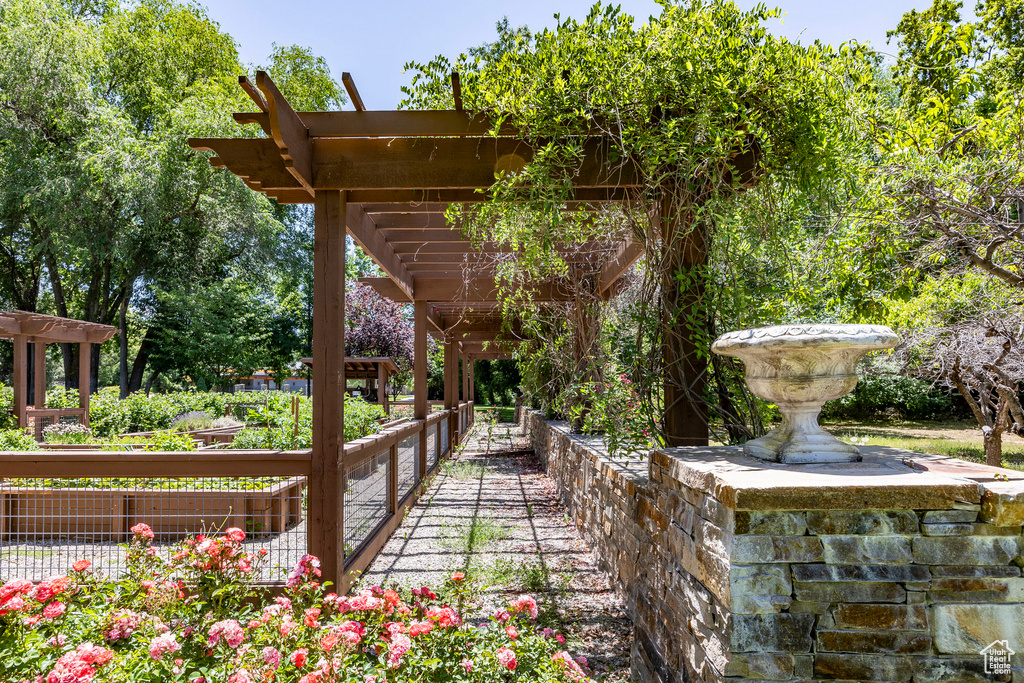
[498, 518]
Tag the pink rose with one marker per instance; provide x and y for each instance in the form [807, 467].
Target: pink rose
[507, 658]
[54, 609]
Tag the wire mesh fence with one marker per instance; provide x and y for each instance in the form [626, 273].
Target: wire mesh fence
[73, 505]
[431, 446]
[47, 524]
[408, 464]
[366, 499]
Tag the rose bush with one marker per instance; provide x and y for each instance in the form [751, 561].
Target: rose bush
[196, 616]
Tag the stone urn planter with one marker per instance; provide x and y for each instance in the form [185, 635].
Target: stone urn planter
[799, 368]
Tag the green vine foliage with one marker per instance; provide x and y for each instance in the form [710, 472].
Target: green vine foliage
[720, 119]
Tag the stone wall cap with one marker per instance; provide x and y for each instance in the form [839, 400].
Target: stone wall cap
[886, 480]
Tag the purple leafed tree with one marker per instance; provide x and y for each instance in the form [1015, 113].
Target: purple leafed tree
[377, 326]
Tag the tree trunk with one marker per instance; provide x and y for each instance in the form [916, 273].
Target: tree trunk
[141, 359]
[994, 447]
[684, 326]
[149, 382]
[123, 347]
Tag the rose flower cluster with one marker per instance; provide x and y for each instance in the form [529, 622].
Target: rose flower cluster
[196, 616]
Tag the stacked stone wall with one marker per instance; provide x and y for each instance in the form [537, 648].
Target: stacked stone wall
[767, 581]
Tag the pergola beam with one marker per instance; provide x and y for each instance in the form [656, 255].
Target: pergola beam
[628, 253]
[288, 132]
[363, 231]
[457, 290]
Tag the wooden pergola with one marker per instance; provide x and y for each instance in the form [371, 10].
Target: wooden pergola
[372, 368]
[386, 178]
[25, 328]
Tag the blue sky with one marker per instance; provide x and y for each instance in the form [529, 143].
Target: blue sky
[373, 39]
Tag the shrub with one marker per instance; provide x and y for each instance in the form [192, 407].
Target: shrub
[192, 420]
[159, 441]
[147, 627]
[610, 408]
[17, 440]
[899, 396]
[360, 420]
[67, 432]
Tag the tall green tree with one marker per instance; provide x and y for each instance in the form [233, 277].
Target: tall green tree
[703, 101]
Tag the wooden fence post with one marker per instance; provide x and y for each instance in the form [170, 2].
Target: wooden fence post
[84, 379]
[325, 526]
[421, 408]
[39, 375]
[449, 391]
[20, 379]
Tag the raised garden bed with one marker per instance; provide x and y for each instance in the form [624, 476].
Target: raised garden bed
[99, 513]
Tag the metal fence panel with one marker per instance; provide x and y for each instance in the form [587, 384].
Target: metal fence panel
[431, 446]
[366, 499]
[48, 524]
[408, 464]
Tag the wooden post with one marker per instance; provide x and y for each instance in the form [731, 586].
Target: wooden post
[465, 378]
[450, 389]
[39, 375]
[421, 408]
[684, 319]
[382, 388]
[393, 480]
[325, 524]
[472, 389]
[20, 379]
[84, 379]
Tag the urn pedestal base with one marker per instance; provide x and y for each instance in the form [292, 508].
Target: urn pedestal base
[799, 440]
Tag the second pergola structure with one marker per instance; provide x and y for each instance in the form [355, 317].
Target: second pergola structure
[371, 368]
[386, 178]
[37, 330]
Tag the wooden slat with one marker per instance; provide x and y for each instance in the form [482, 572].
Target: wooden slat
[416, 236]
[410, 198]
[364, 232]
[353, 92]
[257, 161]
[288, 131]
[481, 290]
[419, 221]
[256, 97]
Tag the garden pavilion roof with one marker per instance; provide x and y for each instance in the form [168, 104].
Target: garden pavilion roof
[363, 367]
[399, 171]
[51, 329]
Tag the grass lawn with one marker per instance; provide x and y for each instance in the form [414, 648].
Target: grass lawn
[505, 413]
[957, 439]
